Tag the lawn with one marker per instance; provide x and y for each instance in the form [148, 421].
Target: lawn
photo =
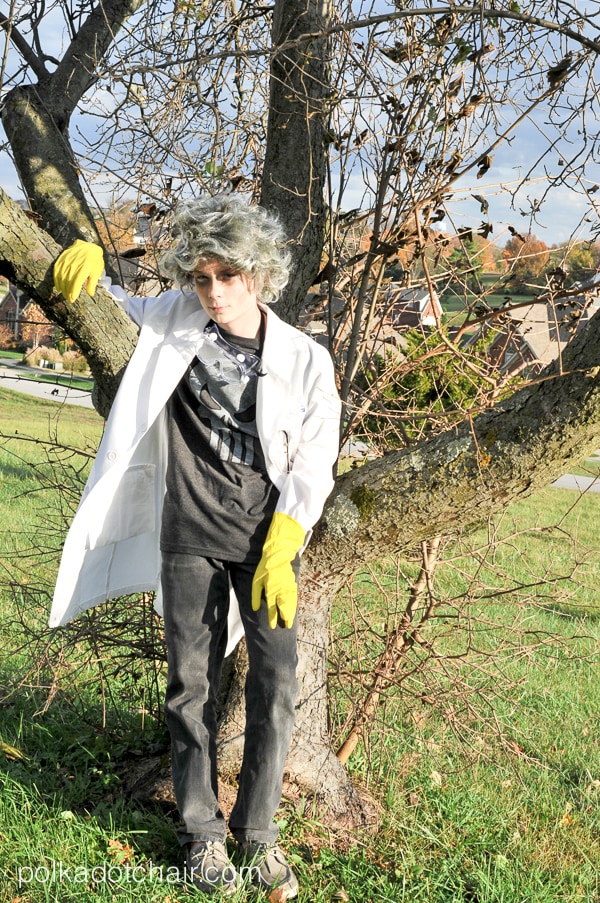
[484, 753]
[455, 302]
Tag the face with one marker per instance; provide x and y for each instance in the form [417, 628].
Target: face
[228, 297]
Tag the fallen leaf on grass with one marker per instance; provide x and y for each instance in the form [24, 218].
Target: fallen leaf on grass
[11, 752]
[279, 895]
[121, 853]
[567, 818]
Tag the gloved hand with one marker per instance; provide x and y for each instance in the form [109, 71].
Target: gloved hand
[274, 575]
[81, 262]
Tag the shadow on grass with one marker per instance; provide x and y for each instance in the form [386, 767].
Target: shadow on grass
[73, 767]
[572, 613]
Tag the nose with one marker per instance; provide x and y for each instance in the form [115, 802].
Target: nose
[213, 288]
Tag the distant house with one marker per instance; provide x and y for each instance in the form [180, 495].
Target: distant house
[400, 308]
[531, 336]
[411, 307]
[12, 306]
[321, 309]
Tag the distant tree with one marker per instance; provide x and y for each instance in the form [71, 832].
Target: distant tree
[36, 328]
[6, 335]
[116, 227]
[526, 258]
[466, 263]
[581, 262]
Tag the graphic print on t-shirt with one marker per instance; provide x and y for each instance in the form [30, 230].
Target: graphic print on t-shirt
[218, 493]
[229, 412]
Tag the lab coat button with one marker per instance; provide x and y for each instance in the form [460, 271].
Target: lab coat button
[111, 455]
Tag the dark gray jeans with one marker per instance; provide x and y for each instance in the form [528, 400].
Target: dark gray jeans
[196, 602]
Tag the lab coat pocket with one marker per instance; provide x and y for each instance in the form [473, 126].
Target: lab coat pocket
[283, 449]
[130, 511]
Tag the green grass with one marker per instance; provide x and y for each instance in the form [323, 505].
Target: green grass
[487, 769]
[454, 303]
[36, 436]
[31, 417]
[60, 378]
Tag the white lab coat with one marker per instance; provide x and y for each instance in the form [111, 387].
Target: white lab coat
[112, 547]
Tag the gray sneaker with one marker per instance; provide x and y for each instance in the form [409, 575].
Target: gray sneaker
[266, 867]
[209, 868]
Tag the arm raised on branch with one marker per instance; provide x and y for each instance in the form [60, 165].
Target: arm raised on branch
[100, 328]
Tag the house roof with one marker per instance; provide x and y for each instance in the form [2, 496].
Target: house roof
[412, 306]
[540, 331]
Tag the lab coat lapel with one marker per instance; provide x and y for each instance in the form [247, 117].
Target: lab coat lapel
[172, 355]
[276, 361]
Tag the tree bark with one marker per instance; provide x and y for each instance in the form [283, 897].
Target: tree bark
[312, 768]
[440, 486]
[386, 506]
[295, 165]
[36, 119]
[462, 476]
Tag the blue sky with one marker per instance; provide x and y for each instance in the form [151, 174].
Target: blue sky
[560, 217]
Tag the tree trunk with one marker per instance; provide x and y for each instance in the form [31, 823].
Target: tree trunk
[295, 164]
[460, 477]
[440, 486]
[36, 119]
[312, 765]
[312, 770]
[46, 167]
[437, 487]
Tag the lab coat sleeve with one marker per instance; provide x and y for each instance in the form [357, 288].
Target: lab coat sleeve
[137, 309]
[134, 307]
[310, 479]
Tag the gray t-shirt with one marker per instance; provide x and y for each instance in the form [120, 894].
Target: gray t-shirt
[219, 499]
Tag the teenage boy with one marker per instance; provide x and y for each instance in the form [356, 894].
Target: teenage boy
[215, 463]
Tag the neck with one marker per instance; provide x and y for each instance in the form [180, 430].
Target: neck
[247, 328]
[251, 330]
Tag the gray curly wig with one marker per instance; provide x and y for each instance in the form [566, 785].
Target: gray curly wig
[226, 228]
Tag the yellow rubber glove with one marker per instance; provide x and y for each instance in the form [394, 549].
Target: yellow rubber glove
[81, 262]
[274, 575]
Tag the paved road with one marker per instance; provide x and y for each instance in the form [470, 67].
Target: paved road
[10, 378]
[583, 484]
